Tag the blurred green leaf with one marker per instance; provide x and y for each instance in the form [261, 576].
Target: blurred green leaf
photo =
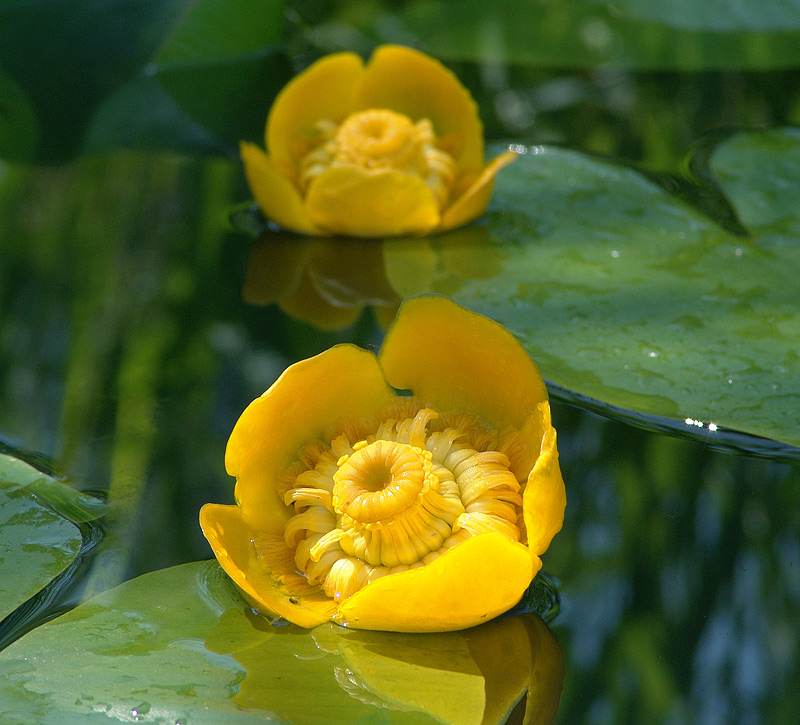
[641, 34]
[627, 295]
[224, 65]
[80, 76]
[181, 645]
[36, 544]
[64, 57]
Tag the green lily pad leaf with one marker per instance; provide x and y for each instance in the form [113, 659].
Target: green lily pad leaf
[70, 503]
[626, 295]
[642, 34]
[180, 645]
[36, 543]
[80, 76]
[65, 58]
[224, 65]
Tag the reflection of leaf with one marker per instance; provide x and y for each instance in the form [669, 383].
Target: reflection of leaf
[641, 34]
[626, 295]
[180, 645]
[36, 544]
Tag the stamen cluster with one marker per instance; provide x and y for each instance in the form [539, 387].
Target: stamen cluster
[382, 139]
[377, 498]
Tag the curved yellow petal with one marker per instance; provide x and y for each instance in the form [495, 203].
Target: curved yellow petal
[233, 543]
[325, 91]
[278, 198]
[412, 83]
[363, 202]
[275, 267]
[307, 398]
[470, 584]
[544, 498]
[459, 360]
[473, 202]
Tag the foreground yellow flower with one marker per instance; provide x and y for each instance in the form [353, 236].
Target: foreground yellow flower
[378, 511]
[392, 148]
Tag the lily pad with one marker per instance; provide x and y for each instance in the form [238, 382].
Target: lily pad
[641, 34]
[80, 76]
[36, 543]
[180, 645]
[631, 297]
[62, 59]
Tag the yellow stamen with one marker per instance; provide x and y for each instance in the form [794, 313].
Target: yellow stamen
[382, 139]
[398, 498]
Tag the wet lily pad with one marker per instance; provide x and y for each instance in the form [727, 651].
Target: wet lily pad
[631, 297]
[36, 543]
[180, 645]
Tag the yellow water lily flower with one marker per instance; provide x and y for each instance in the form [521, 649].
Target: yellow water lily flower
[392, 512]
[391, 148]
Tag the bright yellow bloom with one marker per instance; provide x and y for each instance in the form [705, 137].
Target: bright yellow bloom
[379, 511]
[389, 149]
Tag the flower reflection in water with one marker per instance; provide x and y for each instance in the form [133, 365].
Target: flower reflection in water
[476, 676]
[328, 282]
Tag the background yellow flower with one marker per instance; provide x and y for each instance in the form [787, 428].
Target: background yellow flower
[392, 148]
[379, 511]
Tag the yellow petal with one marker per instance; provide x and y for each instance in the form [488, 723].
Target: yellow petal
[544, 498]
[275, 267]
[232, 541]
[326, 90]
[459, 360]
[278, 198]
[307, 398]
[470, 584]
[362, 202]
[412, 83]
[473, 202]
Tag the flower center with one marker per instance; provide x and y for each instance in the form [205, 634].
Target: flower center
[380, 139]
[379, 481]
[389, 495]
